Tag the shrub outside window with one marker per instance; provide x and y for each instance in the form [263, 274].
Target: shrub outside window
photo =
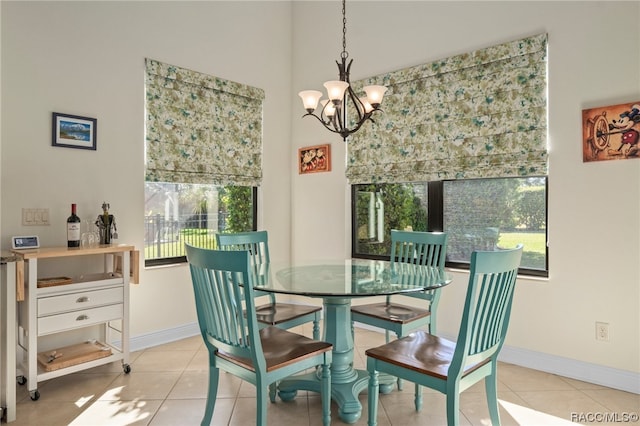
[478, 214]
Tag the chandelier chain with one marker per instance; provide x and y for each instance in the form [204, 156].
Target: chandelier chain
[345, 54]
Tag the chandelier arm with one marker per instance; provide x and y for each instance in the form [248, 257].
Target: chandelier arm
[331, 120]
[340, 121]
[348, 132]
[310, 114]
[337, 119]
[357, 103]
[326, 124]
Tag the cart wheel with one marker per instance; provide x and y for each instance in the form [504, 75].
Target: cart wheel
[21, 380]
[35, 395]
[126, 368]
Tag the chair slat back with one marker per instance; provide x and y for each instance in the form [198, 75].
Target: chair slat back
[487, 308]
[221, 283]
[254, 242]
[419, 248]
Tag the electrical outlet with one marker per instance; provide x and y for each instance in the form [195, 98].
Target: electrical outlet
[602, 331]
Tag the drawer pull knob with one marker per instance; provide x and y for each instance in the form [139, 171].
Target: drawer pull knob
[82, 317]
[82, 299]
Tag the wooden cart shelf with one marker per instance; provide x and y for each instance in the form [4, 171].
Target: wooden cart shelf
[73, 355]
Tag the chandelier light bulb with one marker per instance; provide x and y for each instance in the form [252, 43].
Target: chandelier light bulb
[375, 94]
[328, 107]
[335, 90]
[310, 99]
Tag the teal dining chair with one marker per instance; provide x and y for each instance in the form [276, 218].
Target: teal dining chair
[422, 248]
[449, 367]
[222, 284]
[279, 314]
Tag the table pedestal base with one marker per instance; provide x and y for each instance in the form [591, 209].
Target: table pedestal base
[346, 382]
[344, 394]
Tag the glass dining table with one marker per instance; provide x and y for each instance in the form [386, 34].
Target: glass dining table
[337, 283]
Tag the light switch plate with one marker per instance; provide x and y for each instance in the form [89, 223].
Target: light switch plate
[35, 217]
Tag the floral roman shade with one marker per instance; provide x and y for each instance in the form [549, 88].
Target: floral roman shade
[476, 115]
[201, 129]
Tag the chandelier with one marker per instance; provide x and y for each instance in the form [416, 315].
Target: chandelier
[333, 112]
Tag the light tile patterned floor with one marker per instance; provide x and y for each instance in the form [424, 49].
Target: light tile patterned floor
[167, 386]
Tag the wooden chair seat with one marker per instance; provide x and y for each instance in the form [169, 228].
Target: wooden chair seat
[281, 348]
[393, 312]
[278, 313]
[421, 352]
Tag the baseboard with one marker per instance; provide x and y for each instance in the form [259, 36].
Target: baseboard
[614, 378]
[587, 372]
[161, 337]
[628, 381]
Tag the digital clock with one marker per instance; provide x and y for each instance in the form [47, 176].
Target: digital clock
[29, 242]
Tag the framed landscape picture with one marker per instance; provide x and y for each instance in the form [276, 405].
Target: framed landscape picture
[72, 131]
[313, 159]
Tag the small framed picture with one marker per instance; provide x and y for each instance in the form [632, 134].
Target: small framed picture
[72, 131]
[313, 159]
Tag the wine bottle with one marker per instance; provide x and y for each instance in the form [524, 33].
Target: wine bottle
[73, 228]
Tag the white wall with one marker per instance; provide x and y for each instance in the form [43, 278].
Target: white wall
[594, 231]
[87, 58]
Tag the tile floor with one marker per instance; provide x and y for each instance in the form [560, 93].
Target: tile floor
[167, 386]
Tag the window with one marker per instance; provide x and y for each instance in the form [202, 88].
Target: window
[478, 214]
[470, 133]
[178, 213]
[203, 159]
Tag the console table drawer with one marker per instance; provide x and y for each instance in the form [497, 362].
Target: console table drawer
[80, 300]
[80, 318]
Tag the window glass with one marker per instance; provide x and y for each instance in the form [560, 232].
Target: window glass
[482, 214]
[177, 213]
[478, 214]
[381, 208]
